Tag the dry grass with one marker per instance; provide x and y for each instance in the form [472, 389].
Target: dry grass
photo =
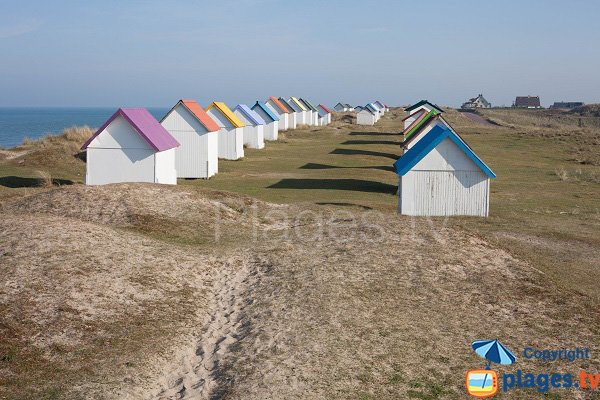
[124, 291]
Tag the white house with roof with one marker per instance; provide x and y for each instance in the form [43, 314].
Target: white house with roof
[131, 146]
[442, 176]
[271, 128]
[197, 133]
[324, 115]
[366, 116]
[292, 114]
[282, 112]
[231, 132]
[253, 126]
[301, 111]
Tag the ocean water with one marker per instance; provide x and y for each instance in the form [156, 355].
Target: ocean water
[17, 124]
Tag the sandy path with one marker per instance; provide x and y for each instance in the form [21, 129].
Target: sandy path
[477, 118]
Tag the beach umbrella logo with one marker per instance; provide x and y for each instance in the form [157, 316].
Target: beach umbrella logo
[483, 383]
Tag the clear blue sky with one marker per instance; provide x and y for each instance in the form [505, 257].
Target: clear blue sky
[151, 53]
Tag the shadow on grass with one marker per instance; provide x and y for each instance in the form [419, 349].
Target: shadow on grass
[356, 185]
[356, 152]
[375, 134]
[14, 182]
[325, 203]
[325, 166]
[390, 142]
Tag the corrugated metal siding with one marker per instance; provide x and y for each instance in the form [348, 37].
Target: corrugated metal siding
[441, 193]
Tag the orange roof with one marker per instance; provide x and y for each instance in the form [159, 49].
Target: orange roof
[279, 104]
[202, 116]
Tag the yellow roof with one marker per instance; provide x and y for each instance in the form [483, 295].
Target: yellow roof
[219, 105]
[295, 100]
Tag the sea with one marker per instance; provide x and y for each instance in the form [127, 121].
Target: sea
[19, 123]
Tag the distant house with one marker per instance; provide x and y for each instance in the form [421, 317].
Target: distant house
[281, 110]
[131, 146]
[476, 102]
[292, 115]
[366, 116]
[198, 134]
[567, 104]
[254, 136]
[271, 129]
[527, 102]
[442, 176]
[231, 134]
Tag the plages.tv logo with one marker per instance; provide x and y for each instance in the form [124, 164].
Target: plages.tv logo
[483, 383]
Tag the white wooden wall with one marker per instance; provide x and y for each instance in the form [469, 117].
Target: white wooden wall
[365, 118]
[292, 120]
[164, 164]
[231, 139]
[253, 133]
[284, 124]
[270, 130]
[197, 155]
[120, 154]
[445, 182]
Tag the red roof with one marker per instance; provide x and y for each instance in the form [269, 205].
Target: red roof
[325, 108]
[145, 124]
[201, 115]
[279, 104]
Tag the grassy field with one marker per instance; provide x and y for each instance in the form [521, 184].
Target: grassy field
[355, 302]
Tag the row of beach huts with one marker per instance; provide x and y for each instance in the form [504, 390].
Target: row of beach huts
[368, 114]
[132, 146]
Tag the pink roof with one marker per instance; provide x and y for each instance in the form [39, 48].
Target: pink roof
[145, 124]
[325, 108]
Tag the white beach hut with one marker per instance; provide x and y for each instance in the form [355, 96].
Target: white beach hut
[375, 109]
[292, 114]
[313, 110]
[380, 106]
[442, 176]
[271, 129]
[253, 126]
[197, 133]
[131, 146]
[231, 134]
[340, 107]
[304, 113]
[366, 116]
[324, 115]
[282, 112]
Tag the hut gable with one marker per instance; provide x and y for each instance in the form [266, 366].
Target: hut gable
[266, 111]
[423, 103]
[452, 155]
[224, 113]
[251, 117]
[192, 110]
[142, 122]
[298, 103]
[280, 106]
[286, 104]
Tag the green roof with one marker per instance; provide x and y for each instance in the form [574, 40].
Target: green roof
[421, 124]
[422, 103]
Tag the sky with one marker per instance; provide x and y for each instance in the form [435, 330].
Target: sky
[152, 53]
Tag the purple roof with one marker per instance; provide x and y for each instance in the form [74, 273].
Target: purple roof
[145, 124]
[250, 114]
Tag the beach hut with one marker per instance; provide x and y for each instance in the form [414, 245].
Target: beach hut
[442, 176]
[374, 109]
[271, 128]
[313, 110]
[358, 109]
[367, 116]
[349, 107]
[131, 146]
[197, 133]
[380, 106]
[292, 115]
[340, 107]
[410, 118]
[423, 104]
[282, 112]
[324, 115]
[231, 132]
[253, 126]
[301, 110]
[421, 126]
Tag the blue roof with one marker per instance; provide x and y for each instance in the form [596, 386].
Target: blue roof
[267, 110]
[428, 143]
[379, 104]
[372, 108]
[251, 115]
